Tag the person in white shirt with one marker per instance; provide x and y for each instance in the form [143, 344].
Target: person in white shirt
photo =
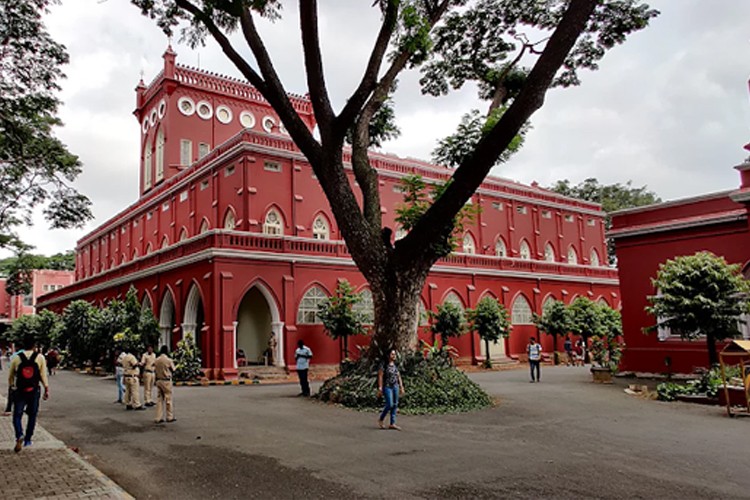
[303, 355]
[534, 351]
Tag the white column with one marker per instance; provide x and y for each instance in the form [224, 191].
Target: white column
[234, 342]
[278, 333]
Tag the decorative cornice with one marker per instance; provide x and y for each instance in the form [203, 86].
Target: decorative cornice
[677, 224]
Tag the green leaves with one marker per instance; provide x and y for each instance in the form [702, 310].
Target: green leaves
[187, 360]
[449, 321]
[490, 319]
[556, 319]
[697, 295]
[339, 314]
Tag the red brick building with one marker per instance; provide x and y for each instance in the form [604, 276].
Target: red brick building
[43, 281]
[646, 237]
[232, 239]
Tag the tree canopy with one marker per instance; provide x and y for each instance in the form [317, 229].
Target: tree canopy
[18, 269]
[555, 320]
[36, 169]
[698, 295]
[340, 317]
[453, 43]
[491, 321]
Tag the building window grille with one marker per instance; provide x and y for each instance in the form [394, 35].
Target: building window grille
[186, 152]
[468, 245]
[572, 256]
[273, 223]
[521, 312]
[365, 307]
[549, 253]
[524, 251]
[203, 149]
[229, 222]
[320, 230]
[500, 249]
[307, 314]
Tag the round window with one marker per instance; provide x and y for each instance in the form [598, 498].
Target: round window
[144, 125]
[223, 114]
[162, 108]
[152, 118]
[204, 110]
[268, 123]
[186, 106]
[247, 119]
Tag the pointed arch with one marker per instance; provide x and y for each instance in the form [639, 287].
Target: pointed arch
[521, 311]
[230, 219]
[307, 311]
[273, 222]
[205, 226]
[147, 164]
[135, 253]
[194, 317]
[267, 293]
[165, 241]
[594, 260]
[549, 252]
[524, 250]
[149, 249]
[454, 298]
[183, 234]
[423, 318]
[123, 258]
[167, 318]
[146, 303]
[366, 306]
[160, 154]
[469, 246]
[501, 250]
[602, 301]
[547, 300]
[572, 255]
[321, 228]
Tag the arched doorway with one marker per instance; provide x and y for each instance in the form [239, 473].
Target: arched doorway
[258, 321]
[166, 320]
[194, 320]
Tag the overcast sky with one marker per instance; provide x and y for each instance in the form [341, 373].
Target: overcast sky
[668, 109]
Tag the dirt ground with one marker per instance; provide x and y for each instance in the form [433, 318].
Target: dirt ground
[562, 438]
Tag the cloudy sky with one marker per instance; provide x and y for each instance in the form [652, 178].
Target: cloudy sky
[668, 109]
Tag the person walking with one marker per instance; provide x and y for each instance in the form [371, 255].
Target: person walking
[534, 351]
[119, 374]
[568, 346]
[25, 373]
[147, 362]
[389, 384]
[303, 355]
[164, 368]
[130, 367]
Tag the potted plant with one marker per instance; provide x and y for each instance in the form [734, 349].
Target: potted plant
[606, 348]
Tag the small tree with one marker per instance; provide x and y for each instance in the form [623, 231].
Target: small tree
[491, 321]
[606, 348]
[78, 334]
[187, 359]
[449, 321]
[699, 295]
[555, 320]
[586, 320]
[340, 317]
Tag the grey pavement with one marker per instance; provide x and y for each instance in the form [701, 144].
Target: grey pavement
[48, 468]
[562, 438]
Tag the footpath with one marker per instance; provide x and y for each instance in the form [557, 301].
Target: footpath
[48, 469]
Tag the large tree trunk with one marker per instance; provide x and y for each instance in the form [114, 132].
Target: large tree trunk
[713, 357]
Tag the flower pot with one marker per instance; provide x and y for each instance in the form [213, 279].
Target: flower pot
[601, 375]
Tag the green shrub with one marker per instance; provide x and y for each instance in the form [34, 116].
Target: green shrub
[432, 386]
[668, 391]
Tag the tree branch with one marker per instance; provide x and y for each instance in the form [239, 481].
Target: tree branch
[308, 10]
[473, 170]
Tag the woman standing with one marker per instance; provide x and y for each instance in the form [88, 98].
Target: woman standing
[389, 383]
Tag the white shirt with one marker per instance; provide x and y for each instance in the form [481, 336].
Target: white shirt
[535, 352]
[303, 355]
[119, 370]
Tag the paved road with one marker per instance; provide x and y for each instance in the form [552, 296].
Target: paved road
[562, 438]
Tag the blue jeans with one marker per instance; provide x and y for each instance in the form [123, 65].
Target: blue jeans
[120, 387]
[534, 365]
[390, 393]
[28, 401]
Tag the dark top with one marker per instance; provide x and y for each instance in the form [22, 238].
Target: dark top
[390, 375]
[568, 346]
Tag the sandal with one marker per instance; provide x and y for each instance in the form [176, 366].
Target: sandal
[381, 424]
[394, 427]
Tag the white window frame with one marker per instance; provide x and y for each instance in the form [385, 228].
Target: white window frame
[160, 155]
[307, 311]
[469, 245]
[366, 307]
[521, 313]
[549, 253]
[572, 255]
[501, 250]
[186, 152]
[229, 220]
[524, 250]
[320, 229]
[273, 227]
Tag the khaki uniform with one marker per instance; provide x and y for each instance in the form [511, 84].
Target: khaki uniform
[164, 367]
[148, 361]
[130, 366]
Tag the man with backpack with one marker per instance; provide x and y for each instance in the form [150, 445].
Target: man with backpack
[27, 370]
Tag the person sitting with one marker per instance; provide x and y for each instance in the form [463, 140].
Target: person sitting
[241, 358]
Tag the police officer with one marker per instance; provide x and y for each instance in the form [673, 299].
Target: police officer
[130, 366]
[164, 367]
[148, 361]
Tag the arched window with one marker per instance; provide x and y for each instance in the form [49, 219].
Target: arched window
[123, 259]
[549, 253]
[307, 314]
[594, 257]
[273, 223]
[500, 249]
[521, 312]
[548, 302]
[453, 298]
[164, 242]
[160, 155]
[572, 255]
[135, 254]
[229, 222]
[183, 235]
[149, 249]
[147, 165]
[320, 230]
[524, 251]
[366, 307]
[204, 227]
[423, 319]
[469, 246]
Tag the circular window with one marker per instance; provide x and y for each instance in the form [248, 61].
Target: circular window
[144, 125]
[204, 110]
[223, 114]
[247, 119]
[186, 106]
[283, 129]
[268, 123]
[152, 118]
[162, 108]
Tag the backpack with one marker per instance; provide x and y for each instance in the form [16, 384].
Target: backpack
[27, 376]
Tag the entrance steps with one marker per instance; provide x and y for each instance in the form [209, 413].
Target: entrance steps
[262, 372]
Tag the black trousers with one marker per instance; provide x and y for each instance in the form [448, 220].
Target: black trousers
[304, 384]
